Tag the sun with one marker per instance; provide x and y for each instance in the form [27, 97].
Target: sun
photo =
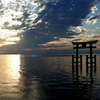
[9, 37]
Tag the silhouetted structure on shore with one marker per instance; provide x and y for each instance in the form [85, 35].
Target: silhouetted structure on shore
[90, 59]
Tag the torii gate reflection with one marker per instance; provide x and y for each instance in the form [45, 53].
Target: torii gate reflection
[90, 59]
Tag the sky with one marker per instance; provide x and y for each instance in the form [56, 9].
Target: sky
[47, 26]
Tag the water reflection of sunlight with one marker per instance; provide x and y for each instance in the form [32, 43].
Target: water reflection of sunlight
[9, 75]
[10, 66]
[14, 61]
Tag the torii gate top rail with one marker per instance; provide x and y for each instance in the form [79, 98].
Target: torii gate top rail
[82, 45]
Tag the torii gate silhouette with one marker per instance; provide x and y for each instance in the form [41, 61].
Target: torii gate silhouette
[84, 45]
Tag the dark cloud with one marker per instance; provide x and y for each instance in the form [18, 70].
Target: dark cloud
[96, 36]
[54, 21]
[97, 17]
[58, 18]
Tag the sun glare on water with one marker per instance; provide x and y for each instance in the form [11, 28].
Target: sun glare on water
[9, 75]
[14, 67]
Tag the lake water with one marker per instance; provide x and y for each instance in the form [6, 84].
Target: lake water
[31, 77]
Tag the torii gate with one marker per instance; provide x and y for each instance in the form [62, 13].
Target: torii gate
[83, 45]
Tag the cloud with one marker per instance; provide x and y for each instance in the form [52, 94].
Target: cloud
[93, 19]
[57, 19]
[19, 15]
[38, 22]
[94, 8]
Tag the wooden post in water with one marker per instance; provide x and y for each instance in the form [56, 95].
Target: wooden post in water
[87, 64]
[95, 64]
[81, 62]
[77, 57]
[76, 62]
[91, 64]
[72, 63]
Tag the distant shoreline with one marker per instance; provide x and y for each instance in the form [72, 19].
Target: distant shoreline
[44, 54]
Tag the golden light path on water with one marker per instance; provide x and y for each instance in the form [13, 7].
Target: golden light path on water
[9, 75]
[14, 66]
[13, 83]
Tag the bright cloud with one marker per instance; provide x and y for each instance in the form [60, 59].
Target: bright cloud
[94, 9]
[17, 16]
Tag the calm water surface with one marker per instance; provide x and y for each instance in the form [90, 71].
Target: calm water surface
[30, 77]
